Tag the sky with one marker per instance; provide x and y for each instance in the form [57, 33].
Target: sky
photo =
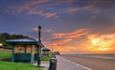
[68, 26]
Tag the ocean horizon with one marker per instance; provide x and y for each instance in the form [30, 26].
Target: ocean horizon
[104, 56]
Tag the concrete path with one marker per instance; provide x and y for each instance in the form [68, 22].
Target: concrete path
[44, 65]
[65, 64]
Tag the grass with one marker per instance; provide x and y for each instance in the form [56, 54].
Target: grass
[46, 58]
[5, 55]
[9, 55]
[13, 65]
[17, 66]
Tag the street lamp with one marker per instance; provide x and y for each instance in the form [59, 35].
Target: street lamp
[39, 46]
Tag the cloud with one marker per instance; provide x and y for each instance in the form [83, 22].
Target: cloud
[49, 15]
[104, 3]
[71, 35]
[64, 1]
[91, 3]
[48, 30]
[39, 1]
[35, 29]
[103, 43]
[33, 8]
[65, 39]
[92, 6]
[80, 41]
[102, 21]
[59, 42]
[89, 8]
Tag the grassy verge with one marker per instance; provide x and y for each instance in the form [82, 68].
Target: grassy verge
[14, 66]
[5, 55]
[9, 55]
[46, 58]
[17, 66]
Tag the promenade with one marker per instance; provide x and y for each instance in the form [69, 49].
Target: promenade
[65, 64]
[103, 62]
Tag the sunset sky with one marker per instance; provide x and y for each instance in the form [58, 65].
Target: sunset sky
[68, 26]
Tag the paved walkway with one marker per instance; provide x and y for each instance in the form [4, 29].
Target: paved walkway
[65, 64]
[44, 65]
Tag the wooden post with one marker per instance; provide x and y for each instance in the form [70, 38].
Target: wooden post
[32, 54]
[25, 46]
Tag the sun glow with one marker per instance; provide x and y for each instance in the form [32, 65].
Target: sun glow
[102, 42]
[93, 43]
[102, 45]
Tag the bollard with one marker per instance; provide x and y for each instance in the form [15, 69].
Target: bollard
[53, 64]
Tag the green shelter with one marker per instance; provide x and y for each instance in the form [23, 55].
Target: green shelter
[45, 51]
[25, 49]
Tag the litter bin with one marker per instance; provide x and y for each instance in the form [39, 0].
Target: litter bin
[53, 64]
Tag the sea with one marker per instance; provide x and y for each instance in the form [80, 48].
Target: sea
[105, 56]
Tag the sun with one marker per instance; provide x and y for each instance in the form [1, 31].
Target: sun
[95, 41]
[100, 44]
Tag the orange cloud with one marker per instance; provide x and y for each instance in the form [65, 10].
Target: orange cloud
[70, 43]
[71, 35]
[63, 49]
[102, 43]
[63, 41]
[59, 42]
[64, 38]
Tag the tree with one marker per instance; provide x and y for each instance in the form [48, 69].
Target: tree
[6, 36]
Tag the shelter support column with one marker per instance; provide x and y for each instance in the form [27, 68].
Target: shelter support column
[13, 54]
[32, 53]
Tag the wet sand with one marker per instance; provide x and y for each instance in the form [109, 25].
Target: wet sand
[92, 62]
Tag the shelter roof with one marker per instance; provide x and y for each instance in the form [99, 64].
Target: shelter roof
[24, 41]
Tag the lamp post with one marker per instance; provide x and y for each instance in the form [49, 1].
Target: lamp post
[39, 33]
[39, 47]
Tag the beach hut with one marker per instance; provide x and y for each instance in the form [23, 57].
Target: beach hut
[25, 49]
